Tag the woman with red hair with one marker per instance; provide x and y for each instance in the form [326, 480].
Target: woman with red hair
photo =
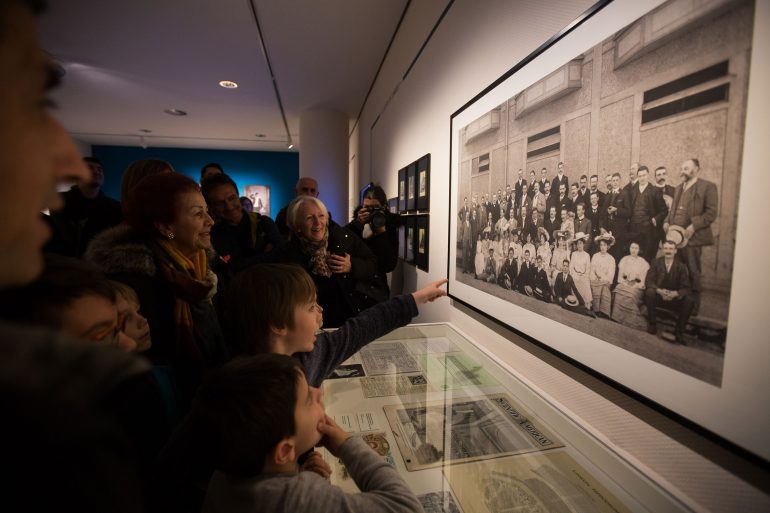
[163, 254]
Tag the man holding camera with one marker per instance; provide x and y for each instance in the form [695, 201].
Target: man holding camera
[379, 229]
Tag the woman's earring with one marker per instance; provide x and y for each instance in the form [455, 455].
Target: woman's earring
[170, 235]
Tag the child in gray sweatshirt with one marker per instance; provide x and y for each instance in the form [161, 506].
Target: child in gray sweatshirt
[261, 415]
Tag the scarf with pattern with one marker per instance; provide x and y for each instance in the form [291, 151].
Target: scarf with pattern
[190, 281]
[318, 252]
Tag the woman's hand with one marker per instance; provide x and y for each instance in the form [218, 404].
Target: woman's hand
[429, 293]
[339, 264]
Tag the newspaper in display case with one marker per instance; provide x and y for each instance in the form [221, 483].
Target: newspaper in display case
[438, 502]
[465, 429]
[388, 358]
[452, 371]
[552, 481]
[401, 384]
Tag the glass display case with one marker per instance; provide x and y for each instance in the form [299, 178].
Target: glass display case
[469, 436]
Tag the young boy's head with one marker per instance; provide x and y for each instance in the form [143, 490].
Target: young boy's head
[132, 322]
[71, 296]
[272, 309]
[258, 412]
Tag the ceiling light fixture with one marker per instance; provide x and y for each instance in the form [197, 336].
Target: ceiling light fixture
[175, 112]
[145, 130]
[270, 69]
[228, 84]
[261, 136]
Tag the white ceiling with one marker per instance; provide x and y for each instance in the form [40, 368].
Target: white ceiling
[126, 61]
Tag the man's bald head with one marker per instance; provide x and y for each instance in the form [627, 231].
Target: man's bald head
[306, 186]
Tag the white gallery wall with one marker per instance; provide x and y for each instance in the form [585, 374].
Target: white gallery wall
[405, 118]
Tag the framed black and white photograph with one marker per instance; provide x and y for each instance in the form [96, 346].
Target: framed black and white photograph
[402, 190]
[410, 238]
[423, 242]
[259, 195]
[423, 183]
[594, 198]
[411, 186]
[402, 241]
[393, 205]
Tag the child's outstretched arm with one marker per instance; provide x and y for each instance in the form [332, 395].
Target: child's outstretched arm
[430, 293]
[333, 348]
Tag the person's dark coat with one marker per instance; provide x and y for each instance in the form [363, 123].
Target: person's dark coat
[255, 240]
[383, 245]
[79, 221]
[342, 295]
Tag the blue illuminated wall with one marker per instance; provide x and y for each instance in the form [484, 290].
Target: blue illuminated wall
[277, 169]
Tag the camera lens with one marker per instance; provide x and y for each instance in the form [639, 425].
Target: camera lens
[378, 219]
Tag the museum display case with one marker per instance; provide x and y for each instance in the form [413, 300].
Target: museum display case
[470, 435]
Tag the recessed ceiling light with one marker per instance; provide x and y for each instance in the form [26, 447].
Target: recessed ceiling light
[145, 130]
[175, 112]
[261, 136]
[290, 145]
[228, 84]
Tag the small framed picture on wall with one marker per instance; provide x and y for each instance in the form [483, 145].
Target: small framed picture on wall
[402, 190]
[410, 239]
[411, 186]
[421, 243]
[423, 183]
[402, 241]
[393, 205]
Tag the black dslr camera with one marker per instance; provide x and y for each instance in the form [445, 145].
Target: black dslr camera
[377, 216]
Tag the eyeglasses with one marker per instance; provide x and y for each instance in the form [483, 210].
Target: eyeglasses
[110, 334]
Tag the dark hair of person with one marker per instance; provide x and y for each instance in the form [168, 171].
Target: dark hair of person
[211, 164]
[245, 408]
[264, 297]
[64, 279]
[377, 192]
[643, 168]
[137, 171]
[93, 160]
[696, 162]
[156, 199]
[214, 181]
[634, 241]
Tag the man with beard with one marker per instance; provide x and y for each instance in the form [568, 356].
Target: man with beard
[593, 185]
[562, 201]
[583, 191]
[633, 170]
[694, 208]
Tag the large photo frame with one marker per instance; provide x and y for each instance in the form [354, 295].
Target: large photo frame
[643, 106]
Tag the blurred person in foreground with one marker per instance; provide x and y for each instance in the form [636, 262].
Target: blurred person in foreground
[61, 447]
